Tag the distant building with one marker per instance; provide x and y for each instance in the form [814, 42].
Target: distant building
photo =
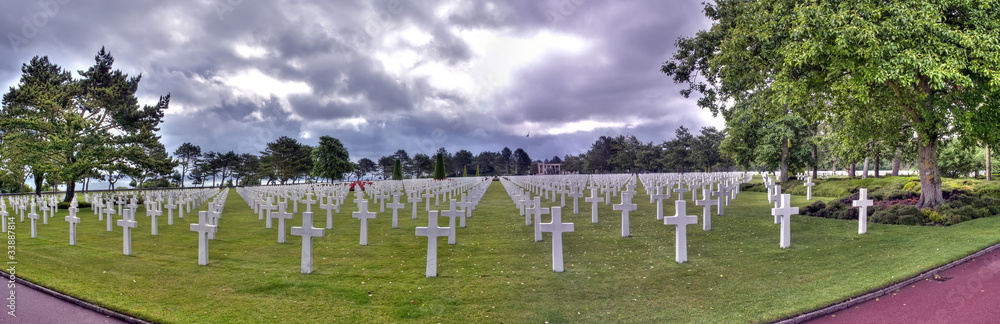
[549, 168]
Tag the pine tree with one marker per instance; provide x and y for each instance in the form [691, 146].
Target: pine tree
[477, 170]
[439, 168]
[465, 171]
[397, 173]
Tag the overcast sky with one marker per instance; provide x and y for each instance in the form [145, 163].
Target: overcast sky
[381, 75]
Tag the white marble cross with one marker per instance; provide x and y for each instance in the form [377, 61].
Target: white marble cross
[3, 216]
[625, 207]
[330, 206]
[576, 193]
[707, 203]
[45, 209]
[109, 210]
[281, 215]
[170, 206]
[203, 228]
[432, 232]
[309, 202]
[429, 195]
[593, 200]
[776, 199]
[809, 188]
[34, 220]
[467, 206]
[680, 191]
[152, 211]
[681, 220]
[364, 215]
[538, 211]
[73, 220]
[265, 212]
[556, 227]
[785, 213]
[862, 203]
[307, 232]
[659, 196]
[452, 214]
[414, 200]
[395, 205]
[127, 223]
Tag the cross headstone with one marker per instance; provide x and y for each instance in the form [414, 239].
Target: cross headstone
[153, 212]
[809, 188]
[3, 216]
[395, 205]
[307, 232]
[593, 200]
[556, 227]
[428, 195]
[432, 232]
[281, 215]
[576, 193]
[414, 200]
[659, 196]
[127, 223]
[203, 228]
[34, 221]
[330, 206]
[681, 220]
[625, 207]
[776, 199]
[538, 211]
[109, 210]
[309, 202]
[862, 203]
[680, 191]
[785, 212]
[706, 204]
[452, 214]
[364, 215]
[73, 220]
[170, 206]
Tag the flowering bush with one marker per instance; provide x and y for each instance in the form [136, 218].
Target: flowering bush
[360, 184]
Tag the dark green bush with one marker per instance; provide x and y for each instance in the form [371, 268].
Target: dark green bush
[80, 205]
[899, 215]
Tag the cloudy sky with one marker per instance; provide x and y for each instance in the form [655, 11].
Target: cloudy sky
[380, 75]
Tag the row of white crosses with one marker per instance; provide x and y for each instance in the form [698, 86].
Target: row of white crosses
[783, 210]
[659, 187]
[376, 192]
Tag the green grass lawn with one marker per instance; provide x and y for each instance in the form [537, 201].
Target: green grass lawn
[496, 273]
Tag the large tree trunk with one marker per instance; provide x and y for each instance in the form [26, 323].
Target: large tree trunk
[878, 164]
[784, 161]
[850, 170]
[39, 180]
[930, 179]
[70, 190]
[989, 165]
[895, 161]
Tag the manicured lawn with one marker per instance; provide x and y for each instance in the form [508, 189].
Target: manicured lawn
[496, 273]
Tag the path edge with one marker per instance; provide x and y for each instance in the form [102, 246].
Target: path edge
[851, 302]
[76, 301]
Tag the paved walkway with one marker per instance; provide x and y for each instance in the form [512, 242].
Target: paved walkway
[967, 293]
[34, 306]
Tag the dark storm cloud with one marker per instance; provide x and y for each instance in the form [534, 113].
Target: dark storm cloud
[343, 50]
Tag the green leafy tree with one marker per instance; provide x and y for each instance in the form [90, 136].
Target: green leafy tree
[422, 163]
[931, 65]
[385, 167]
[439, 167]
[330, 159]
[72, 123]
[522, 162]
[364, 167]
[187, 154]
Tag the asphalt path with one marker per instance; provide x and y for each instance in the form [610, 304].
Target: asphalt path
[966, 293]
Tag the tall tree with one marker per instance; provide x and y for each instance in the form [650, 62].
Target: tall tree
[522, 162]
[364, 167]
[422, 163]
[74, 122]
[931, 65]
[331, 159]
[439, 167]
[187, 154]
[506, 160]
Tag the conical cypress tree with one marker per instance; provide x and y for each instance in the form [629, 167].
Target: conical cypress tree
[477, 170]
[465, 171]
[397, 172]
[439, 168]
